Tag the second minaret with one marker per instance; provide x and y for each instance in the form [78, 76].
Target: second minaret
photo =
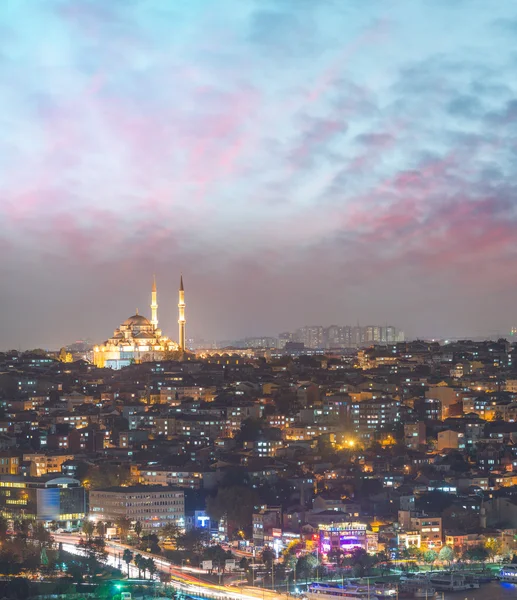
[181, 317]
[154, 306]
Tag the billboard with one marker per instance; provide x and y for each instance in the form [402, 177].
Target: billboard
[49, 503]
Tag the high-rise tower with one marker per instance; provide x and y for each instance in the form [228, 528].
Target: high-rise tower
[154, 306]
[181, 317]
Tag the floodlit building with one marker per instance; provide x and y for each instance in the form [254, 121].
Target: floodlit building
[140, 340]
[48, 498]
[152, 505]
[342, 536]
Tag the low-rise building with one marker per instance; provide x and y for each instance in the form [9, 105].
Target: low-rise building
[450, 439]
[42, 464]
[428, 528]
[414, 435]
[9, 463]
[345, 537]
[152, 505]
[264, 521]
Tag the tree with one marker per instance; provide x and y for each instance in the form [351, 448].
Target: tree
[22, 528]
[149, 543]
[251, 430]
[268, 557]
[384, 563]
[235, 476]
[143, 565]
[446, 554]
[42, 535]
[290, 561]
[430, 556]
[280, 572]
[306, 566]
[324, 447]
[138, 529]
[218, 555]
[88, 528]
[94, 552]
[193, 540]
[151, 567]
[37, 352]
[127, 557]
[170, 531]
[101, 529]
[236, 503]
[294, 548]
[139, 565]
[478, 554]
[107, 476]
[494, 547]
[414, 552]
[123, 525]
[360, 561]
[3, 528]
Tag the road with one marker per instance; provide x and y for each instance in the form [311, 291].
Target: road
[182, 578]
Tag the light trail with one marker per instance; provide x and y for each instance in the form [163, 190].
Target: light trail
[185, 582]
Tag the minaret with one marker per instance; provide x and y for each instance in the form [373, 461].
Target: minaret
[154, 306]
[181, 317]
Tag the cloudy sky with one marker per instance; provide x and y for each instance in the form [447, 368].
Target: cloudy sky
[300, 161]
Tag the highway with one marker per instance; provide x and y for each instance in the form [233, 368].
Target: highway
[181, 578]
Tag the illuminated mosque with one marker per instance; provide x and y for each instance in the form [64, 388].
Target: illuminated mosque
[139, 340]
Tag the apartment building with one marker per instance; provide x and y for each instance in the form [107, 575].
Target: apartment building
[370, 415]
[42, 464]
[168, 477]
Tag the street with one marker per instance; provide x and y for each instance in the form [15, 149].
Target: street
[181, 578]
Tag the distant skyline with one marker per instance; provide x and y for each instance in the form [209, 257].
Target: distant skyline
[300, 162]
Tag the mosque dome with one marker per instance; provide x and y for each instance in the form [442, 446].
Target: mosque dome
[137, 320]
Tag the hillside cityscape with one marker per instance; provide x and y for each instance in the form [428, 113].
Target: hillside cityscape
[250, 473]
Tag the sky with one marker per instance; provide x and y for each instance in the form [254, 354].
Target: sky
[301, 162]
